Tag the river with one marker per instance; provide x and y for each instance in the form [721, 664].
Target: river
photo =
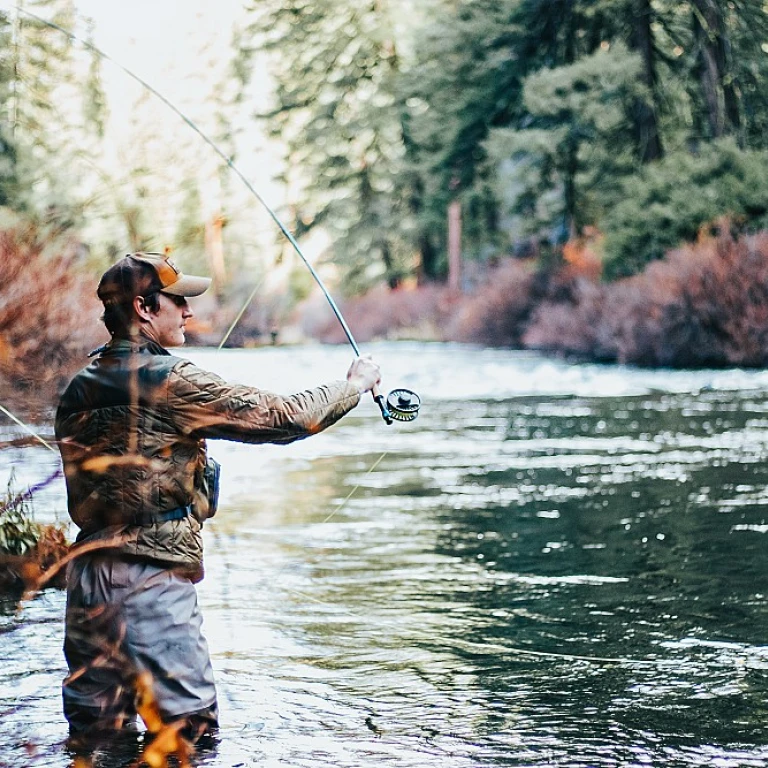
[554, 565]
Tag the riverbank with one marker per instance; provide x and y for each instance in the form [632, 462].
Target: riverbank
[703, 306]
[47, 311]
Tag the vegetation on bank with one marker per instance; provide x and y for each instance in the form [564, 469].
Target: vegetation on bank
[27, 548]
[704, 305]
[48, 314]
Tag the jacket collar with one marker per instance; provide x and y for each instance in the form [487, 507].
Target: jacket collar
[121, 346]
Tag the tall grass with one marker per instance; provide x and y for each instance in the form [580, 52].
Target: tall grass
[27, 548]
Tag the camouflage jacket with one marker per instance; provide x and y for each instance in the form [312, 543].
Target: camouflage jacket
[131, 429]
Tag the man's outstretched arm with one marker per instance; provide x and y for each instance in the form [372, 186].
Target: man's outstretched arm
[202, 404]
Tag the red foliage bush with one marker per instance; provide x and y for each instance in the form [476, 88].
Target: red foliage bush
[385, 314]
[571, 326]
[703, 305]
[499, 310]
[49, 315]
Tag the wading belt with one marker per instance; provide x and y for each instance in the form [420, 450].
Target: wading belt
[149, 518]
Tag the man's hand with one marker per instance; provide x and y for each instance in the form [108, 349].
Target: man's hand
[364, 374]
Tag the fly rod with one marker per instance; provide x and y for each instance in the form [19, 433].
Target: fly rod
[401, 404]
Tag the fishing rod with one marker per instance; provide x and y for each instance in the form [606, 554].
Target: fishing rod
[400, 404]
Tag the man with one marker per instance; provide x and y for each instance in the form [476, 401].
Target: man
[131, 429]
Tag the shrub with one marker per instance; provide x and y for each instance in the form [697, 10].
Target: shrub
[500, 308]
[703, 305]
[48, 314]
[27, 548]
[673, 199]
[383, 313]
[571, 327]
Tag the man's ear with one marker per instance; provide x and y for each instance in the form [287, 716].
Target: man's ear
[140, 308]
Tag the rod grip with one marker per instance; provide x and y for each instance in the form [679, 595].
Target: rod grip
[379, 398]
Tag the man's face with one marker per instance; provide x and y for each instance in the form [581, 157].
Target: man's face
[166, 326]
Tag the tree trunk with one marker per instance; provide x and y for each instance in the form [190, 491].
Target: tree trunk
[393, 279]
[214, 248]
[709, 76]
[569, 47]
[717, 85]
[569, 187]
[646, 114]
[429, 265]
[454, 245]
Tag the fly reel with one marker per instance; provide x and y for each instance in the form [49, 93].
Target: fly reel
[403, 404]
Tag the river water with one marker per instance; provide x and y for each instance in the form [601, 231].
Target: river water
[554, 565]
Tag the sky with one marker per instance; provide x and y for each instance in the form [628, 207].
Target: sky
[158, 37]
[160, 41]
[171, 45]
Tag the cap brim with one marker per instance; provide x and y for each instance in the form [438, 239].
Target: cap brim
[188, 285]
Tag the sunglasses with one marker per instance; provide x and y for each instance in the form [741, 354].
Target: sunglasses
[179, 301]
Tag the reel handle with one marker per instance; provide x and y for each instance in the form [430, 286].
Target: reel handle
[379, 398]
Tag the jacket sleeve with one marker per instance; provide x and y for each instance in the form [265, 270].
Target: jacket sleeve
[203, 405]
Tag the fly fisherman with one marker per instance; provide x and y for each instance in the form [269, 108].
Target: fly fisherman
[131, 429]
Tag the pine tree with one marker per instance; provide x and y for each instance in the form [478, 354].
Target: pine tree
[41, 79]
[55, 110]
[468, 82]
[578, 143]
[533, 114]
[564, 159]
[336, 65]
[8, 156]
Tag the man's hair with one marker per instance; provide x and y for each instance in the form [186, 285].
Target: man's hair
[142, 274]
[120, 317]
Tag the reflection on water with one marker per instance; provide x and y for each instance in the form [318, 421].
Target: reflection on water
[555, 565]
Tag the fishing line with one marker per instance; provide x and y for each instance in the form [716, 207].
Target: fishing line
[338, 509]
[239, 315]
[27, 429]
[354, 490]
